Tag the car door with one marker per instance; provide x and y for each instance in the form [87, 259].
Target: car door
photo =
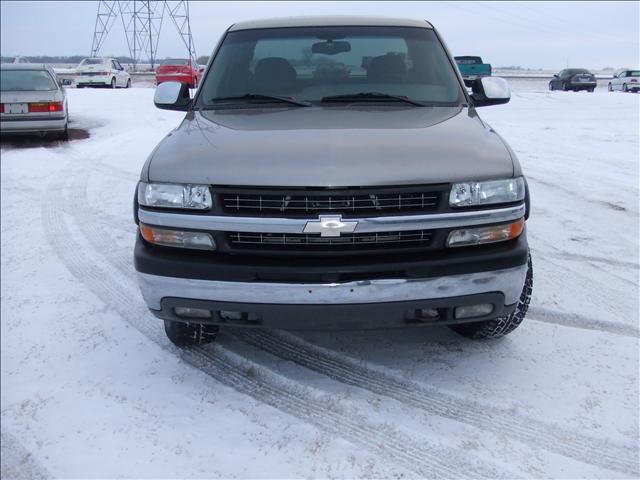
[124, 76]
[616, 82]
[557, 84]
[115, 71]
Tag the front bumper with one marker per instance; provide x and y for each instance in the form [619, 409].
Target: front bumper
[383, 292]
[25, 125]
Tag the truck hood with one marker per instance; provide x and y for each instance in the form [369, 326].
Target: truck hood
[330, 147]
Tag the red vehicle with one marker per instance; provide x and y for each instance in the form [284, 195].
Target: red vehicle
[179, 70]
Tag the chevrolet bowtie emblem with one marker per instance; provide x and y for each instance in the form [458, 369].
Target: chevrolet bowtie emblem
[330, 226]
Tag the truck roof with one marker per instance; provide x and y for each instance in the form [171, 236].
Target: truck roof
[330, 21]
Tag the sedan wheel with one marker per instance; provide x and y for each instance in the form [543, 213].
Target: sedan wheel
[624, 87]
[551, 86]
[610, 87]
[113, 82]
[128, 83]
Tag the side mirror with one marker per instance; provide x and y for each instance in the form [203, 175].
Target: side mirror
[490, 91]
[172, 96]
[555, 76]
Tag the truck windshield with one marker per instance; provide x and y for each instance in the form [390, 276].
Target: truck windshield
[311, 63]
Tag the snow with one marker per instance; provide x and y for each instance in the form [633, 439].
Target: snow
[91, 387]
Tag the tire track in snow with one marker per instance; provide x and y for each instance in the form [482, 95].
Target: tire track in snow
[414, 454]
[602, 453]
[547, 315]
[430, 401]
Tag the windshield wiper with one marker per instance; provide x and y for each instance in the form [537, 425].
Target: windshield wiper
[355, 97]
[260, 96]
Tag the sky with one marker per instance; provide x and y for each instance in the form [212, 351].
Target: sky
[547, 35]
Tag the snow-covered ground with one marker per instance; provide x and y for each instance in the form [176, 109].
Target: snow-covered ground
[91, 387]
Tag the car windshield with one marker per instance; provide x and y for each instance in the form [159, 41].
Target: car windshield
[175, 61]
[574, 71]
[26, 81]
[92, 61]
[309, 64]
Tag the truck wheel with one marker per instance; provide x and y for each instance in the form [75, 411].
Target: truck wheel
[184, 334]
[502, 325]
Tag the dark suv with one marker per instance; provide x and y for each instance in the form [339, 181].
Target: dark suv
[333, 172]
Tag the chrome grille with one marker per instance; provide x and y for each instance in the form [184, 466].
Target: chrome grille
[311, 242]
[313, 203]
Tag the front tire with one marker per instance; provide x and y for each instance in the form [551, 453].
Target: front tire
[624, 88]
[504, 325]
[610, 87]
[113, 82]
[128, 85]
[551, 89]
[184, 334]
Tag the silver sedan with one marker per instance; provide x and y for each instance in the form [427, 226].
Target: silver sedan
[32, 101]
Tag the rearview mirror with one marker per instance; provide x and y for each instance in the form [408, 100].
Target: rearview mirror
[490, 91]
[172, 96]
[331, 47]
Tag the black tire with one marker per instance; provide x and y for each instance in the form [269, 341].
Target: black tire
[79, 86]
[565, 87]
[591, 90]
[610, 87]
[504, 325]
[551, 87]
[113, 82]
[624, 88]
[184, 334]
[128, 85]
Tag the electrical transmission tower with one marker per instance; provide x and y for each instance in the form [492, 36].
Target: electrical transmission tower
[179, 13]
[142, 22]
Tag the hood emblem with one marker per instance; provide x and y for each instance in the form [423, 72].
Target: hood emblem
[330, 226]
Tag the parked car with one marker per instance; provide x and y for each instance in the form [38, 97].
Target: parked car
[179, 70]
[472, 68]
[289, 200]
[575, 79]
[21, 60]
[102, 72]
[625, 81]
[32, 101]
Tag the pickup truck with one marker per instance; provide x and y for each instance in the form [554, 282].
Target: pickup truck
[370, 196]
[472, 68]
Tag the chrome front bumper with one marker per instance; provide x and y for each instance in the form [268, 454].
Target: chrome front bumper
[509, 282]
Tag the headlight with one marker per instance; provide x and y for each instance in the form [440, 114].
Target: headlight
[172, 195]
[177, 238]
[482, 235]
[485, 193]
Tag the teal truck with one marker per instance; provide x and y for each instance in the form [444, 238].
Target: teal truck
[472, 68]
